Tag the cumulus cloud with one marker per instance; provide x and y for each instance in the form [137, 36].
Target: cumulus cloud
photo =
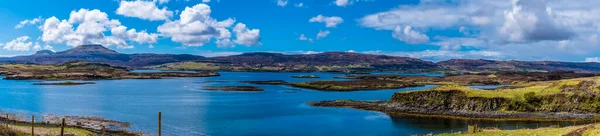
[536, 29]
[408, 35]
[332, 21]
[19, 44]
[196, 27]
[37, 47]
[440, 55]
[304, 38]
[282, 3]
[341, 3]
[205, 1]
[161, 1]
[592, 59]
[531, 20]
[88, 27]
[26, 22]
[143, 10]
[322, 34]
[245, 36]
[141, 37]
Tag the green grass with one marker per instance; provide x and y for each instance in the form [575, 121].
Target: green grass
[593, 132]
[25, 129]
[189, 66]
[521, 132]
[539, 88]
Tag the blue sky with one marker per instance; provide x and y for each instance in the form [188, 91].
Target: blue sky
[427, 29]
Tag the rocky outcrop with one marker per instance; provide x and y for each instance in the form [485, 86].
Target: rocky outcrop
[574, 100]
[454, 100]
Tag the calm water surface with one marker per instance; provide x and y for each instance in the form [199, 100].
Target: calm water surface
[189, 110]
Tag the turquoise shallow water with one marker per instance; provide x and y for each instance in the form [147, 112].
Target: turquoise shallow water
[188, 110]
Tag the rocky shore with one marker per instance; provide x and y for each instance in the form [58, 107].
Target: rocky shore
[573, 99]
[88, 123]
[395, 108]
[68, 83]
[494, 78]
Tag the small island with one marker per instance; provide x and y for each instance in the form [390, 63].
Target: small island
[66, 83]
[234, 88]
[267, 82]
[354, 85]
[84, 71]
[306, 76]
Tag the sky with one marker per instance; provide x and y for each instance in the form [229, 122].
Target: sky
[532, 30]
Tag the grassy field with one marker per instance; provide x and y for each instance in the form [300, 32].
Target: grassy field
[527, 132]
[539, 88]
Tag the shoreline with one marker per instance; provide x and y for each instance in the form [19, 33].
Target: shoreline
[383, 107]
[92, 124]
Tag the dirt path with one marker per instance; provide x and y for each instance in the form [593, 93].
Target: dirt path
[581, 131]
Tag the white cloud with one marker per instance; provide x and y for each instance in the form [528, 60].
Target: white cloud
[304, 38]
[217, 54]
[143, 10]
[341, 3]
[245, 36]
[19, 44]
[592, 59]
[26, 22]
[531, 20]
[529, 29]
[322, 34]
[282, 3]
[141, 37]
[332, 21]
[408, 35]
[205, 1]
[439, 55]
[88, 27]
[161, 1]
[196, 27]
[48, 47]
[299, 5]
[38, 47]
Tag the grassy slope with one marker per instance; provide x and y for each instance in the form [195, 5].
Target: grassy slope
[521, 132]
[593, 132]
[539, 88]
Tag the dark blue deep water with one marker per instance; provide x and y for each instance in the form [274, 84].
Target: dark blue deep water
[188, 110]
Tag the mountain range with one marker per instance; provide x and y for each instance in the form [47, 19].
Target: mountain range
[100, 54]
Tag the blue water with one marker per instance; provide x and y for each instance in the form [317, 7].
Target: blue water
[486, 87]
[188, 110]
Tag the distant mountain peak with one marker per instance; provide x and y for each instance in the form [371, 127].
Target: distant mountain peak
[89, 49]
[43, 53]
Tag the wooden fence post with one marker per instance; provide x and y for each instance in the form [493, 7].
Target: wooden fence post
[159, 123]
[62, 127]
[103, 129]
[32, 125]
